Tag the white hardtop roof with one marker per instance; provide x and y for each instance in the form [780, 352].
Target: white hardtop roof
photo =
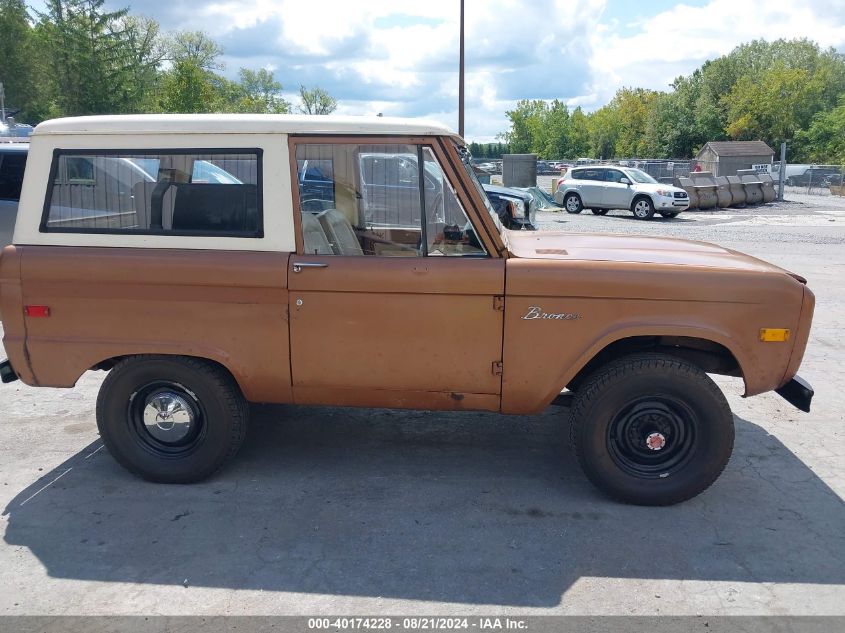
[240, 124]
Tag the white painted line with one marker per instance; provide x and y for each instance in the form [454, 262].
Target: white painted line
[47, 486]
[97, 450]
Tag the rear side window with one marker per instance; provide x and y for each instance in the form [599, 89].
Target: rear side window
[11, 175]
[588, 174]
[184, 192]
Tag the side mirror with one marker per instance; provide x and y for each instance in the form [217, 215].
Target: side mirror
[625, 181]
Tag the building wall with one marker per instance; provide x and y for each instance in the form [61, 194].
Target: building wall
[728, 165]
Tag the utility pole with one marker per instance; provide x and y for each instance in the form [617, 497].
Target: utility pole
[461, 79]
[782, 172]
[3, 102]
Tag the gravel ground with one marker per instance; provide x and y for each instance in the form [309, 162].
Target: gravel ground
[389, 512]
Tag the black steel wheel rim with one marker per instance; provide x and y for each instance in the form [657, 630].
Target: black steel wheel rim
[652, 437]
[155, 438]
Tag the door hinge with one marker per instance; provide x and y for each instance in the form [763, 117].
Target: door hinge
[497, 368]
[498, 302]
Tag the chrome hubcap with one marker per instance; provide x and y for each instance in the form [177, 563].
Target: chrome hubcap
[167, 416]
[641, 208]
[572, 204]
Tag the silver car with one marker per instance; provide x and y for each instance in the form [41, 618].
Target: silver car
[602, 188]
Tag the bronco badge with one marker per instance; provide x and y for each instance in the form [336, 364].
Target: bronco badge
[535, 312]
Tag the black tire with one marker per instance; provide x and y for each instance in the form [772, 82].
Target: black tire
[636, 403]
[177, 449]
[669, 214]
[642, 208]
[599, 211]
[572, 203]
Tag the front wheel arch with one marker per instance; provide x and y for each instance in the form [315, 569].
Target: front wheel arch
[709, 355]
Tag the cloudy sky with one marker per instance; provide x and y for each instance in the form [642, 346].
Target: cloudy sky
[400, 57]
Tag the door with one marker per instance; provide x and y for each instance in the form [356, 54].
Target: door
[393, 311]
[615, 194]
[590, 185]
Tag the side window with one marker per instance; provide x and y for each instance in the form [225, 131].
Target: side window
[613, 175]
[367, 201]
[181, 193]
[11, 175]
[448, 230]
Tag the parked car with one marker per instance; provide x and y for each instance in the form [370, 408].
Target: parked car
[603, 188]
[205, 296]
[819, 176]
[12, 166]
[516, 209]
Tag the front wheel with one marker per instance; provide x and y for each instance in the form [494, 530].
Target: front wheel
[643, 209]
[572, 203]
[651, 429]
[171, 419]
[669, 214]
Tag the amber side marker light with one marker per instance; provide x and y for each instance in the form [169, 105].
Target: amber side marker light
[774, 334]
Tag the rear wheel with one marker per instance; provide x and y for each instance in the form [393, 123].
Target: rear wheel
[572, 203]
[643, 209]
[651, 429]
[171, 419]
[600, 211]
[669, 214]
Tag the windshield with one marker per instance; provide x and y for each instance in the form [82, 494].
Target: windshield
[466, 161]
[639, 176]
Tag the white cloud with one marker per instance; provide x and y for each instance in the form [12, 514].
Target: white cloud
[400, 56]
[677, 41]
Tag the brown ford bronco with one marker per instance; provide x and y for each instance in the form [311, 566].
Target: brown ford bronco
[210, 261]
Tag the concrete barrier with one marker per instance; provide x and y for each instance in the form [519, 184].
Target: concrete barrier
[769, 192]
[753, 185]
[705, 188]
[738, 197]
[686, 185]
[724, 193]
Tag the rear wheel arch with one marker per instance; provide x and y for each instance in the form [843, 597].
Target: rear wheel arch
[108, 363]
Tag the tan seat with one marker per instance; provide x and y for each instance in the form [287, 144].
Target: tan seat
[313, 236]
[339, 232]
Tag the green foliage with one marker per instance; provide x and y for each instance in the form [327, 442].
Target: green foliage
[786, 90]
[75, 57]
[488, 150]
[824, 141]
[316, 101]
[21, 63]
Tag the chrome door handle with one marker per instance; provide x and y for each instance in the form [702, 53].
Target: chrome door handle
[298, 266]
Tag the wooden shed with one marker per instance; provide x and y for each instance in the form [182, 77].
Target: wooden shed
[724, 158]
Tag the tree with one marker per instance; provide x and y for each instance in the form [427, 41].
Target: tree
[195, 47]
[316, 101]
[21, 62]
[824, 141]
[187, 88]
[260, 93]
[99, 61]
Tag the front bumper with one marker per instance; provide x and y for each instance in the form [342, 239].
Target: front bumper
[798, 393]
[676, 204]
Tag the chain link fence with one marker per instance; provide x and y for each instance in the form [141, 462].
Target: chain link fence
[819, 180]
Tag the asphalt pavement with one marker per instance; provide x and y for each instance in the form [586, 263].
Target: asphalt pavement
[344, 511]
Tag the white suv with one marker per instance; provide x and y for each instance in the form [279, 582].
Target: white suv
[601, 188]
